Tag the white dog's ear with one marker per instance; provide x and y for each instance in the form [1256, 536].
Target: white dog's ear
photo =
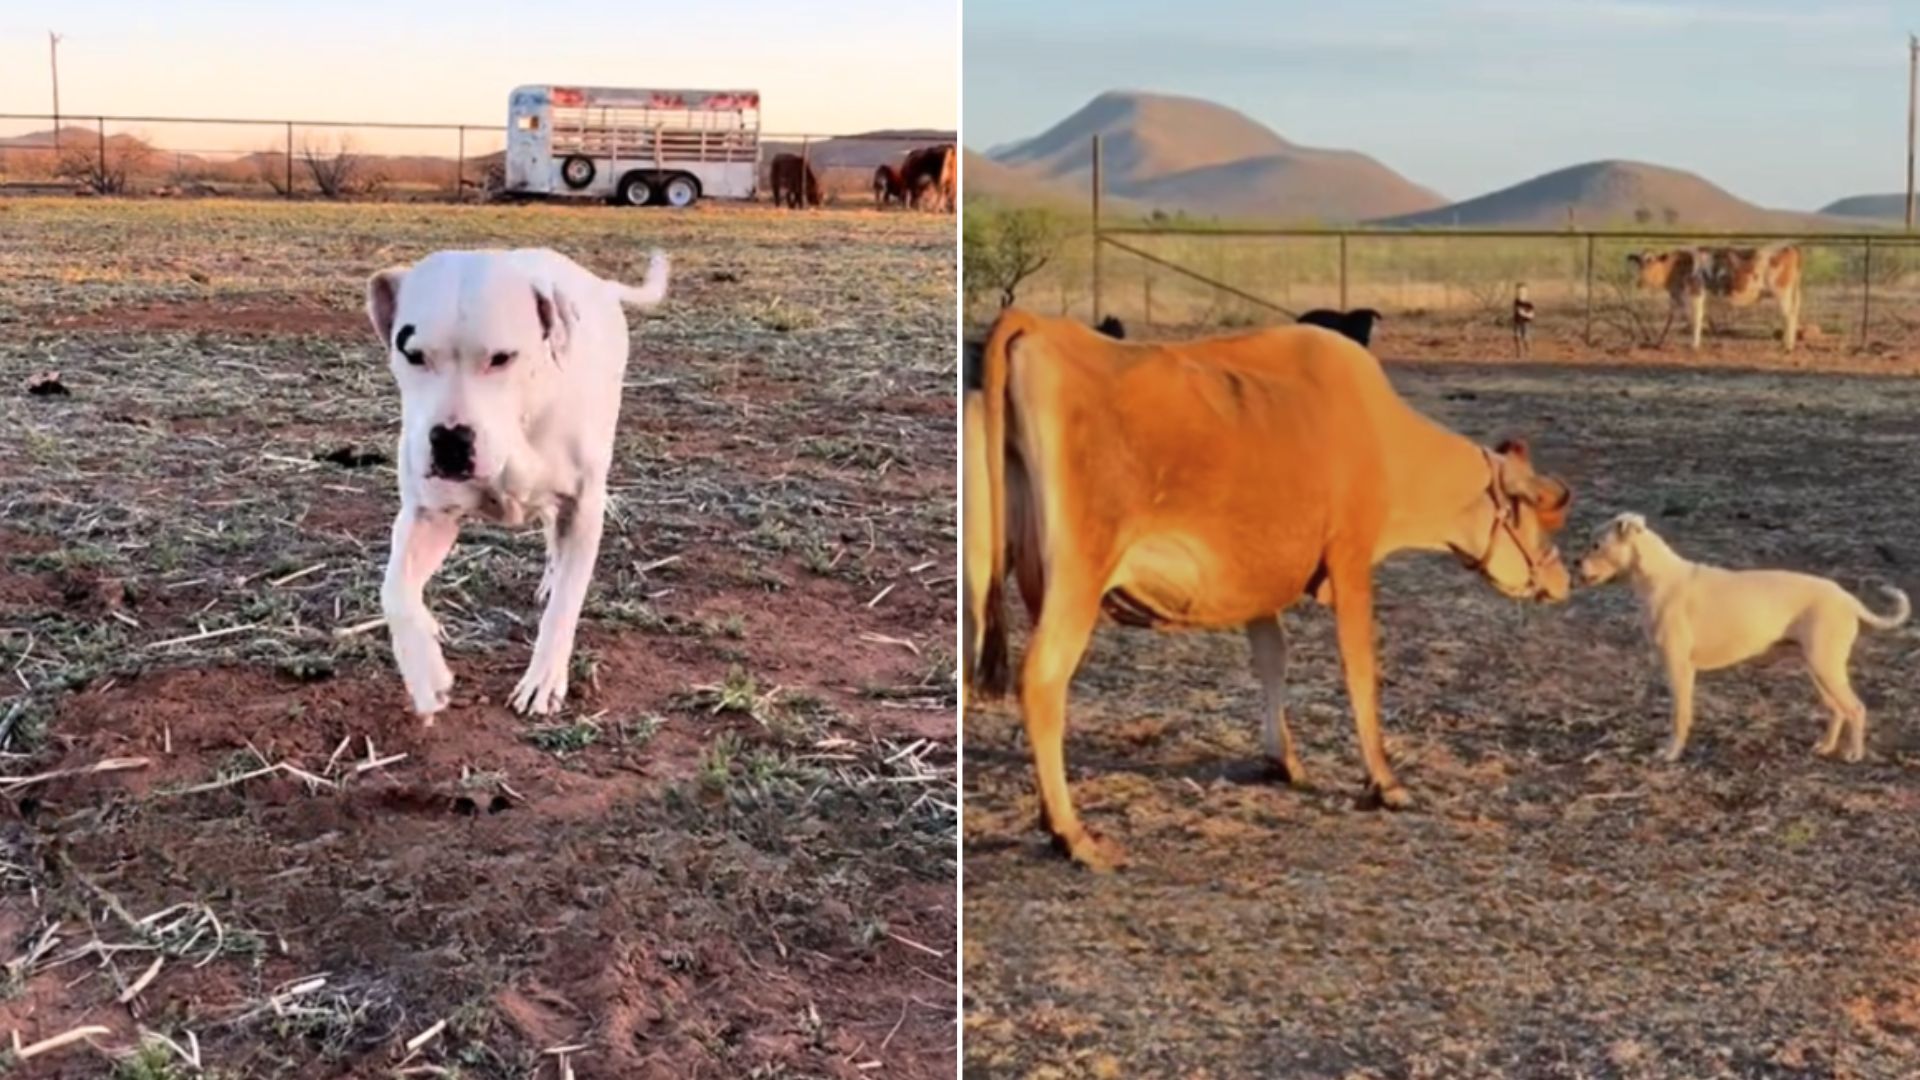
[558, 316]
[383, 299]
[1629, 525]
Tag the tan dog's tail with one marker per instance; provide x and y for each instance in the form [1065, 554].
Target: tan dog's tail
[652, 289]
[1901, 610]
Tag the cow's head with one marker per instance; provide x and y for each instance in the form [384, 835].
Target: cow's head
[1653, 269]
[1515, 526]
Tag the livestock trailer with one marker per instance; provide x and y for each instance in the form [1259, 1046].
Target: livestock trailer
[634, 146]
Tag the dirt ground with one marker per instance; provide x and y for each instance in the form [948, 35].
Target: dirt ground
[1558, 903]
[731, 856]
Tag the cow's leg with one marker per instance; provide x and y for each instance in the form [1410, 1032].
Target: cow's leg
[1351, 574]
[1697, 313]
[1059, 641]
[1789, 316]
[1268, 639]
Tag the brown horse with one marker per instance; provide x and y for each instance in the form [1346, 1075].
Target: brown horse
[794, 180]
[930, 175]
[888, 186]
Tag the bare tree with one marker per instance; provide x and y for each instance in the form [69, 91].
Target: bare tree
[105, 169]
[274, 170]
[340, 173]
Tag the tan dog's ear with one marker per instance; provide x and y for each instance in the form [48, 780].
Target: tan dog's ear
[383, 300]
[1629, 525]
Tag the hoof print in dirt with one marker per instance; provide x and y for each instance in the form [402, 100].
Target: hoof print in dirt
[47, 384]
[352, 457]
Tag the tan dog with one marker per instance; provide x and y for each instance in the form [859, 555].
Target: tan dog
[1702, 618]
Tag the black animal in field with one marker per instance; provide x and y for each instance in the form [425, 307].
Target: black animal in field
[1356, 324]
[1113, 328]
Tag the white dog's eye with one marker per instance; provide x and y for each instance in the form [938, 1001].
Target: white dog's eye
[502, 359]
[416, 357]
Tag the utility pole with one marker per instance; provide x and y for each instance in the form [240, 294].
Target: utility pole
[1913, 104]
[53, 54]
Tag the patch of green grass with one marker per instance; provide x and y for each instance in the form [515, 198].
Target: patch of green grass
[562, 740]
[153, 1061]
[716, 766]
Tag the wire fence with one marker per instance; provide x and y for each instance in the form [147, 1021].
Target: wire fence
[203, 156]
[1450, 292]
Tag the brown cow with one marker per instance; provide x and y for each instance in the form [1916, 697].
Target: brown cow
[1209, 485]
[888, 187]
[930, 175]
[789, 170]
[1740, 276]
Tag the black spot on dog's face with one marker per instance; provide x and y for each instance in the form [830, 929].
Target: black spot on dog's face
[415, 357]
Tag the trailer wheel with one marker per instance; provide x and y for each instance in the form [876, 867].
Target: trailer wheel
[681, 191]
[577, 171]
[635, 190]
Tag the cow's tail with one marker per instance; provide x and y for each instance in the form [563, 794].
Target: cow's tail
[1902, 609]
[652, 288]
[993, 669]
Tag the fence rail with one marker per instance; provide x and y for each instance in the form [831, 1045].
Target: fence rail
[1861, 286]
[287, 158]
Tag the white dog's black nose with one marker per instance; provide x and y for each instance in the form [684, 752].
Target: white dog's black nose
[452, 451]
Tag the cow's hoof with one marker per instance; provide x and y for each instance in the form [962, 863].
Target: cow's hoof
[1093, 851]
[1391, 797]
[1289, 772]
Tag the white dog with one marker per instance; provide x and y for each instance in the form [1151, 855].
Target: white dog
[1703, 617]
[510, 367]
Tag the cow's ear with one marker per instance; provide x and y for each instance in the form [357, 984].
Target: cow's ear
[383, 300]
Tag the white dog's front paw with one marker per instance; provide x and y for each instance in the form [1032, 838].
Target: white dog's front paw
[542, 690]
[416, 652]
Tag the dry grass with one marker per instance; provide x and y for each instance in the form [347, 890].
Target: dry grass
[1559, 904]
[190, 552]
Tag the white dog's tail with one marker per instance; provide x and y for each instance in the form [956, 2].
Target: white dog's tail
[1901, 609]
[650, 291]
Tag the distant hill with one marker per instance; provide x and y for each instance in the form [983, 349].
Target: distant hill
[1875, 207]
[984, 178]
[1182, 154]
[1610, 193]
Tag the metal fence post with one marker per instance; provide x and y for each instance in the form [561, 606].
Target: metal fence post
[1866, 291]
[460, 169]
[101, 172]
[1146, 286]
[1343, 271]
[805, 169]
[289, 192]
[1096, 229]
[1589, 330]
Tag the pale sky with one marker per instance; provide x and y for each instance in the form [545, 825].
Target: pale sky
[1788, 103]
[828, 68]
